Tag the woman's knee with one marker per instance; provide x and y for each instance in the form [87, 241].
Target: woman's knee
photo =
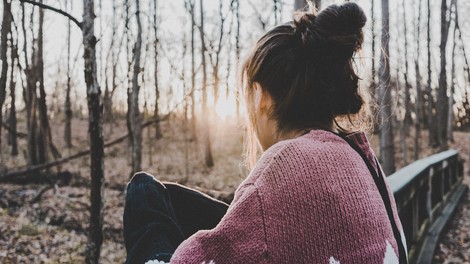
[144, 177]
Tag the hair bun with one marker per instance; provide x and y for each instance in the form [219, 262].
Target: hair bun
[337, 26]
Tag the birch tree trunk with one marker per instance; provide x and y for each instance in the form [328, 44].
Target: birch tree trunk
[136, 119]
[387, 150]
[95, 130]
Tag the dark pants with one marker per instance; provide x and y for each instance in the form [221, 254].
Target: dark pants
[159, 216]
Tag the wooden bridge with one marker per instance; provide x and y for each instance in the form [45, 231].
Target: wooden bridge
[427, 193]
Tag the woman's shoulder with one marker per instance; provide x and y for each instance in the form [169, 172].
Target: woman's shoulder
[313, 152]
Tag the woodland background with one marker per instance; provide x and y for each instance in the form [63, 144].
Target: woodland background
[92, 91]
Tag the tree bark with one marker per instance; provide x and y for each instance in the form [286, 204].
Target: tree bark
[193, 69]
[430, 106]
[442, 98]
[238, 52]
[158, 130]
[5, 31]
[407, 101]
[136, 119]
[450, 117]
[12, 118]
[418, 104]
[29, 94]
[209, 160]
[44, 137]
[387, 150]
[95, 130]
[68, 105]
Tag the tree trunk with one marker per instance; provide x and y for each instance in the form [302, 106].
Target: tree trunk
[430, 114]
[193, 71]
[442, 99]
[29, 94]
[450, 117]
[205, 113]
[12, 119]
[44, 137]
[372, 12]
[136, 119]
[158, 130]
[68, 105]
[6, 29]
[407, 102]
[418, 107]
[238, 51]
[95, 130]
[387, 151]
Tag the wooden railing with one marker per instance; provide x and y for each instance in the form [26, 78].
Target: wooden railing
[422, 191]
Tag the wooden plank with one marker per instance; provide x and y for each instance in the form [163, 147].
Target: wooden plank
[432, 237]
[402, 177]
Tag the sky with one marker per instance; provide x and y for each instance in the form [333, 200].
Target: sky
[174, 26]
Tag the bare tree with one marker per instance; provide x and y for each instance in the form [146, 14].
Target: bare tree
[12, 139]
[418, 103]
[136, 118]
[158, 130]
[5, 32]
[430, 114]
[216, 50]
[450, 114]
[387, 149]
[442, 99]
[190, 8]
[95, 125]
[209, 160]
[95, 130]
[237, 53]
[407, 102]
[44, 137]
[68, 104]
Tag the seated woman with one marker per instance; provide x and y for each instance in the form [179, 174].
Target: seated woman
[316, 195]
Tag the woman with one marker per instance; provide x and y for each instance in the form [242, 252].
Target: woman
[317, 194]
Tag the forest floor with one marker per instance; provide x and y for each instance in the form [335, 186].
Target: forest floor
[46, 223]
[455, 243]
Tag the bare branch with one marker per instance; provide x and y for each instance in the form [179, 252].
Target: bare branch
[59, 11]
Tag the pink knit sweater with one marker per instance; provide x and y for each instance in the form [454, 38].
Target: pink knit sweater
[311, 199]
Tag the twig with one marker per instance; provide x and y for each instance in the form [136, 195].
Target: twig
[59, 11]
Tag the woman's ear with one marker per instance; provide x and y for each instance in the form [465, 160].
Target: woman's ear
[263, 101]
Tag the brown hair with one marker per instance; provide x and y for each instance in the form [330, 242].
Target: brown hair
[307, 67]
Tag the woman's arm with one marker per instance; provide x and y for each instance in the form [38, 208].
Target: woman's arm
[238, 238]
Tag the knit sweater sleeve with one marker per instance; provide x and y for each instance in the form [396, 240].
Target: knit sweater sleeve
[238, 238]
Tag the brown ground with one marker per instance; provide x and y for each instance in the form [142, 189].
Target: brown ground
[53, 229]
